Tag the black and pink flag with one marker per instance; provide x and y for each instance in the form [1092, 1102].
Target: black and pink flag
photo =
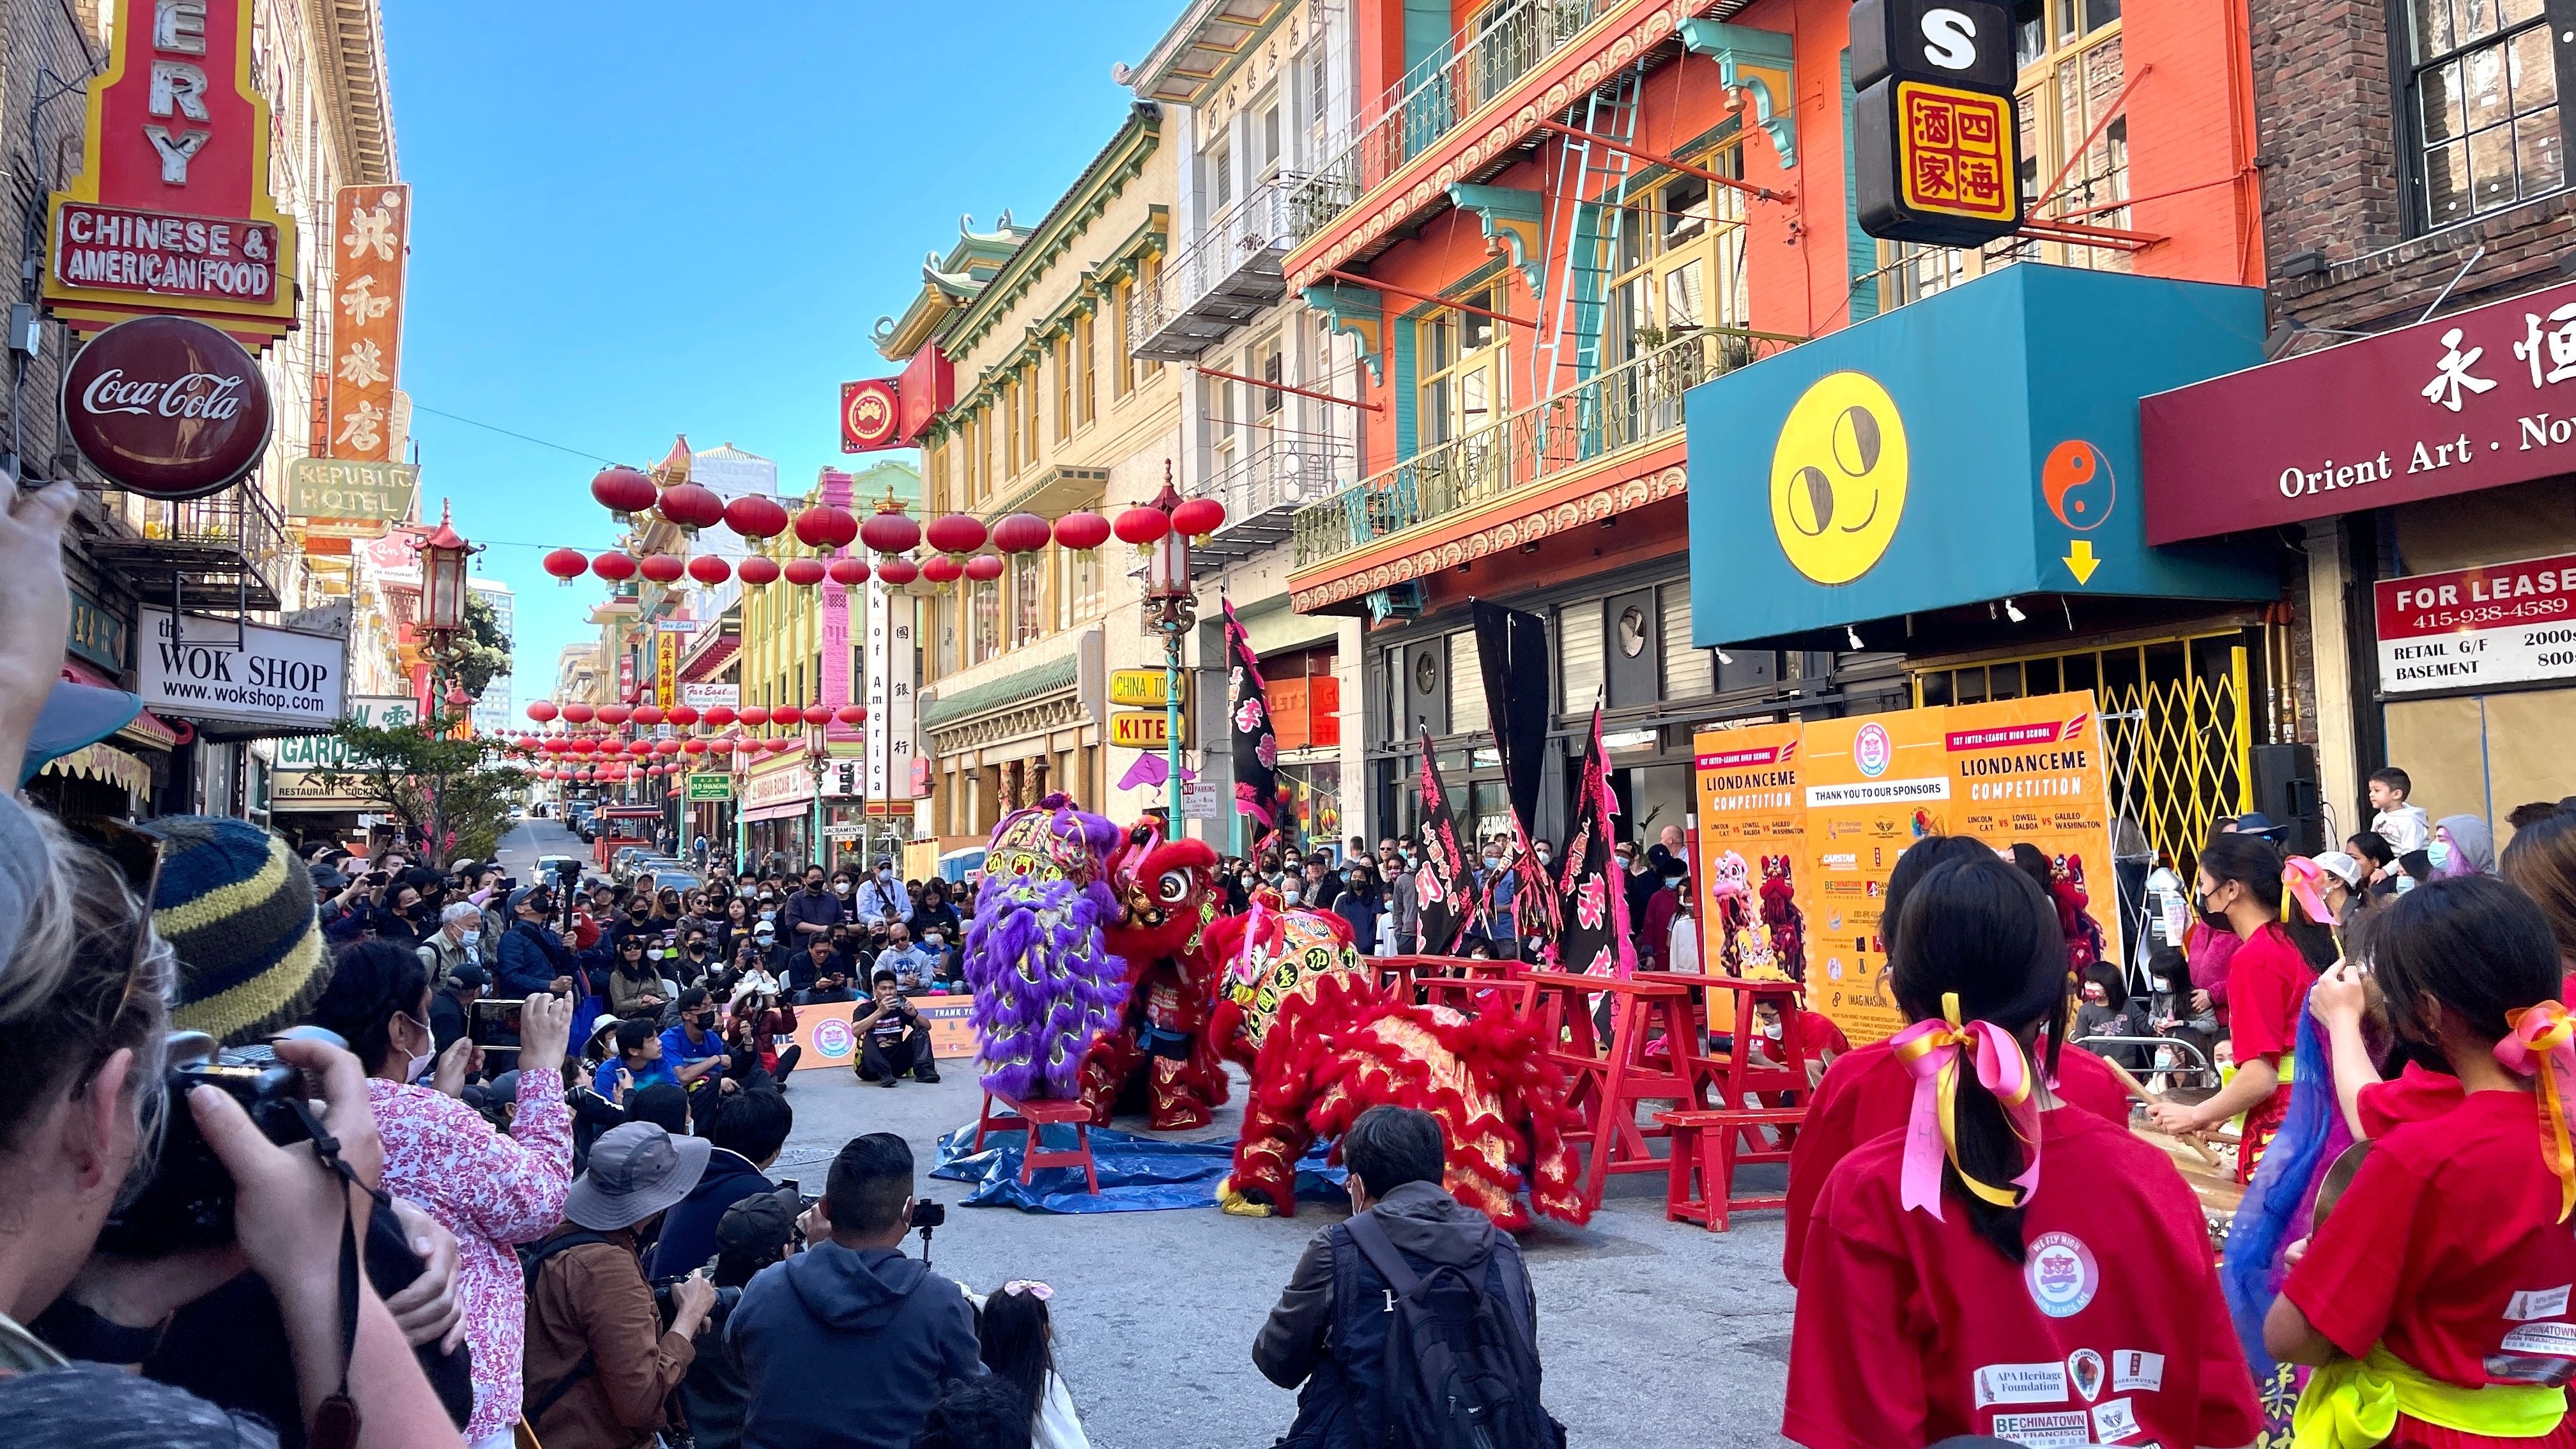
[1592, 904]
[1444, 889]
[1256, 742]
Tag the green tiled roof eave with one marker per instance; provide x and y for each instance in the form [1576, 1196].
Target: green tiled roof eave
[1058, 674]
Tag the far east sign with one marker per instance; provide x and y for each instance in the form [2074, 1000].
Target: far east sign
[2470, 629]
[172, 211]
[1936, 151]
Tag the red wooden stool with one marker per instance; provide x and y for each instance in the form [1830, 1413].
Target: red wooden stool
[1701, 1188]
[1609, 1079]
[1034, 1117]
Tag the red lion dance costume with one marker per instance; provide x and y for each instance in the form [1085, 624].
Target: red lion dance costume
[1325, 1042]
[1167, 899]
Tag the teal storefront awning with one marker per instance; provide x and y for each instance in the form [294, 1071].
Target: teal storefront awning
[1978, 444]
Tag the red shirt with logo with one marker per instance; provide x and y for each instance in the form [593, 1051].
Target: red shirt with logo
[1912, 1329]
[2447, 1248]
[1866, 1092]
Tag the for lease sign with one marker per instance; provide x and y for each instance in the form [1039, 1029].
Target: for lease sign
[2498, 624]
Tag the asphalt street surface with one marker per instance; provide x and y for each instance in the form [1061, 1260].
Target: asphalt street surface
[1650, 1332]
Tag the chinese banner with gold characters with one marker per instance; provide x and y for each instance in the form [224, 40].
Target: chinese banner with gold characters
[371, 234]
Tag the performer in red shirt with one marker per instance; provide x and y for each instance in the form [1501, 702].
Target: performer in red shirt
[1997, 1268]
[2433, 1301]
[1867, 1092]
[2239, 889]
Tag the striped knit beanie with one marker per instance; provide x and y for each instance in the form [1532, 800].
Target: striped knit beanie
[236, 906]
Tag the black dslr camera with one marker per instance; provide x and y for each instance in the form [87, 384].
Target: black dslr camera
[188, 1201]
[726, 1298]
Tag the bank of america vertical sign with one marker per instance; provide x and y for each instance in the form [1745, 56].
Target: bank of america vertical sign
[171, 212]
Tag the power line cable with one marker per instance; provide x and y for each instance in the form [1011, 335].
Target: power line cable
[510, 433]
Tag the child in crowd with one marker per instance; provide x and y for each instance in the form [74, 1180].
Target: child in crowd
[2405, 827]
[1999, 1268]
[2170, 1013]
[2239, 894]
[638, 1063]
[1019, 1347]
[2103, 1008]
[1868, 1091]
[2428, 1301]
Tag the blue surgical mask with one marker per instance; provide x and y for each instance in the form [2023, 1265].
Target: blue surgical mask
[2439, 852]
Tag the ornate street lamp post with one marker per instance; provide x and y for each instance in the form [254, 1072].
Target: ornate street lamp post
[1171, 607]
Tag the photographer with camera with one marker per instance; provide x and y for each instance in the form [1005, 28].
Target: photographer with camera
[850, 1341]
[600, 1360]
[747, 1133]
[753, 1233]
[82, 1083]
[533, 960]
[492, 1191]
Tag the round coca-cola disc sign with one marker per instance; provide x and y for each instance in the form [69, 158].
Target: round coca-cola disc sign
[167, 407]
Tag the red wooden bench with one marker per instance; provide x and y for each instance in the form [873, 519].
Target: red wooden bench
[1033, 1117]
[1706, 1153]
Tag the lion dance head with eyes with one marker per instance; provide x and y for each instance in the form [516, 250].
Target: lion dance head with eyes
[1167, 897]
[1044, 980]
[1324, 1041]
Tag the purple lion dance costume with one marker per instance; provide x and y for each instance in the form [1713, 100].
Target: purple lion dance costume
[1045, 983]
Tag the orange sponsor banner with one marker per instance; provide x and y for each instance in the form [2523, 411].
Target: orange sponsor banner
[1752, 832]
[1873, 785]
[2030, 771]
[824, 1031]
[371, 239]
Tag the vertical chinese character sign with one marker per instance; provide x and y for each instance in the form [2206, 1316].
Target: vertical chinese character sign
[1936, 151]
[370, 239]
[890, 694]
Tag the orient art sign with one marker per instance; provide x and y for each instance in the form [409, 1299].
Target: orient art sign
[2479, 399]
[171, 212]
[168, 407]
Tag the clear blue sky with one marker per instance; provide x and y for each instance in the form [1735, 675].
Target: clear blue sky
[656, 217]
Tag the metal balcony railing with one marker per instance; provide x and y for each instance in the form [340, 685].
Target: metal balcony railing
[1223, 280]
[1636, 403]
[222, 552]
[1277, 473]
[1505, 43]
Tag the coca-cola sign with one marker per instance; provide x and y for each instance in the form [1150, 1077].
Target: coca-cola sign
[168, 407]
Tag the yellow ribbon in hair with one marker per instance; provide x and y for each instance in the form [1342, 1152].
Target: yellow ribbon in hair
[2541, 1044]
[2353, 1403]
[1931, 1052]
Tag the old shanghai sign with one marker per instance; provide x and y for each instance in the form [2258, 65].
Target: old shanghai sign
[171, 212]
[167, 407]
[2478, 399]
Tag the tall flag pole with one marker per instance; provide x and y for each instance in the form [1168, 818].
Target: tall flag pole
[1592, 901]
[1512, 653]
[1256, 740]
[1436, 880]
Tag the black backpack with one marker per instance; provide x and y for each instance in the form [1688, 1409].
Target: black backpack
[1460, 1370]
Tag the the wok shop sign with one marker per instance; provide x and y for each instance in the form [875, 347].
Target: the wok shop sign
[218, 669]
[167, 407]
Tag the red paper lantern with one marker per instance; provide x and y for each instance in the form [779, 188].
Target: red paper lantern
[897, 570]
[546, 774]
[718, 715]
[616, 714]
[1079, 531]
[1021, 533]
[955, 533]
[753, 715]
[683, 715]
[851, 572]
[694, 747]
[757, 570]
[939, 568]
[614, 567]
[662, 568]
[666, 747]
[984, 567]
[1199, 517]
[851, 714]
[823, 526]
[692, 506]
[578, 713]
[709, 570]
[804, 573]
[817, 714]
[756, 515]
[622, 491]
[890, 529]
[781, 745]
[566, 564]
[542, 710]
[1141, 526]
[639, 747]
[648, 715]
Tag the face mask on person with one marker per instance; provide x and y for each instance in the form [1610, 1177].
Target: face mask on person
[840, 887]
[1542, 855]
[706, 1021]
[2215, 920]
[419, 1061]
[470, 940]
[1288, 896]
[697, 948]
[2439, 852]
[1493, 862]
[885, 874]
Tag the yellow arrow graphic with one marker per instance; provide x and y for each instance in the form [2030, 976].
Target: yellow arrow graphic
[2080, 561]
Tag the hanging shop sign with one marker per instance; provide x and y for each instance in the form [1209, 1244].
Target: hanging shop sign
[342, 490]
[871, 415]
[707, 694]
[710, 787]
[783, 788]
[371, 241]
[331, 751]
[666, 666]
[1936, 151]
[244, 673]
[2471, 628]
[1975, 445]
[167, 407]
[171, 212]
[893, 709]
[1141, 730]
[1143, 688]
[2475, 400]
[98, 633]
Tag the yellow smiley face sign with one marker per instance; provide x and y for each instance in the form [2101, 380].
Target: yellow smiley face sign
[1838, 477]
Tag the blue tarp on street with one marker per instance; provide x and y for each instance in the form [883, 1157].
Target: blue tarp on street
[1137, 1174]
